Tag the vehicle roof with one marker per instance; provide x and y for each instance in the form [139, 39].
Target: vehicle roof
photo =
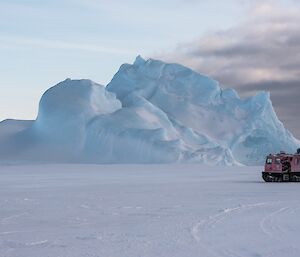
[284, 155]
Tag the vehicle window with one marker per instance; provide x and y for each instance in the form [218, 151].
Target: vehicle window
[277, 161]
[269, 161]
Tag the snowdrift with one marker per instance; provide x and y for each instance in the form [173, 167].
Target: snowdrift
[151, 112]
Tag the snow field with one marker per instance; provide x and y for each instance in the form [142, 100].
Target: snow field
[145, 210]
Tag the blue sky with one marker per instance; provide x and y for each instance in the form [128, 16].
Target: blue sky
[44, 42]
[250, 45]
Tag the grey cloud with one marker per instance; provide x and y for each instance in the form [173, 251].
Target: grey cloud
[285, 97]
[261, 53]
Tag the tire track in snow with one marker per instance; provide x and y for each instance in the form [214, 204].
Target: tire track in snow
[267, 224]
[7, 219]
[214, 219]
[271, 225]
[199, 229]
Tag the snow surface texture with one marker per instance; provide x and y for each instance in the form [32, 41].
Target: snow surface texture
[151, 112]
[146, 210]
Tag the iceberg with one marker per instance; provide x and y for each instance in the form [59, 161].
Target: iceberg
[150, 112]
[247, 128]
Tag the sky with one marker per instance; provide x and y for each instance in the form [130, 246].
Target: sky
[245, 44]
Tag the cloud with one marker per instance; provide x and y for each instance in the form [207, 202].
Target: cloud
[261, 53]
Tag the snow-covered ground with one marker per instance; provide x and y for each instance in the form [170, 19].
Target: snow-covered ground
[140, 211]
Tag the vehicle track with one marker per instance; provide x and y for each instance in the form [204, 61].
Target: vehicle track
[268, 224]
[200, 230]
[274, 221]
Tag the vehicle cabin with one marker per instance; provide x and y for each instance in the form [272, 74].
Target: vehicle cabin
[282, 167]
[283, 163]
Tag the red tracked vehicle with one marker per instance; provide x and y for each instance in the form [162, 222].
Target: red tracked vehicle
[282, 167]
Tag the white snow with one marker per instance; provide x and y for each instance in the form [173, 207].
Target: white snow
[146, 210]
[151, 112]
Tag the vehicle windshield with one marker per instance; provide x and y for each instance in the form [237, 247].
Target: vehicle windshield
[277, 161]
[269, 161]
